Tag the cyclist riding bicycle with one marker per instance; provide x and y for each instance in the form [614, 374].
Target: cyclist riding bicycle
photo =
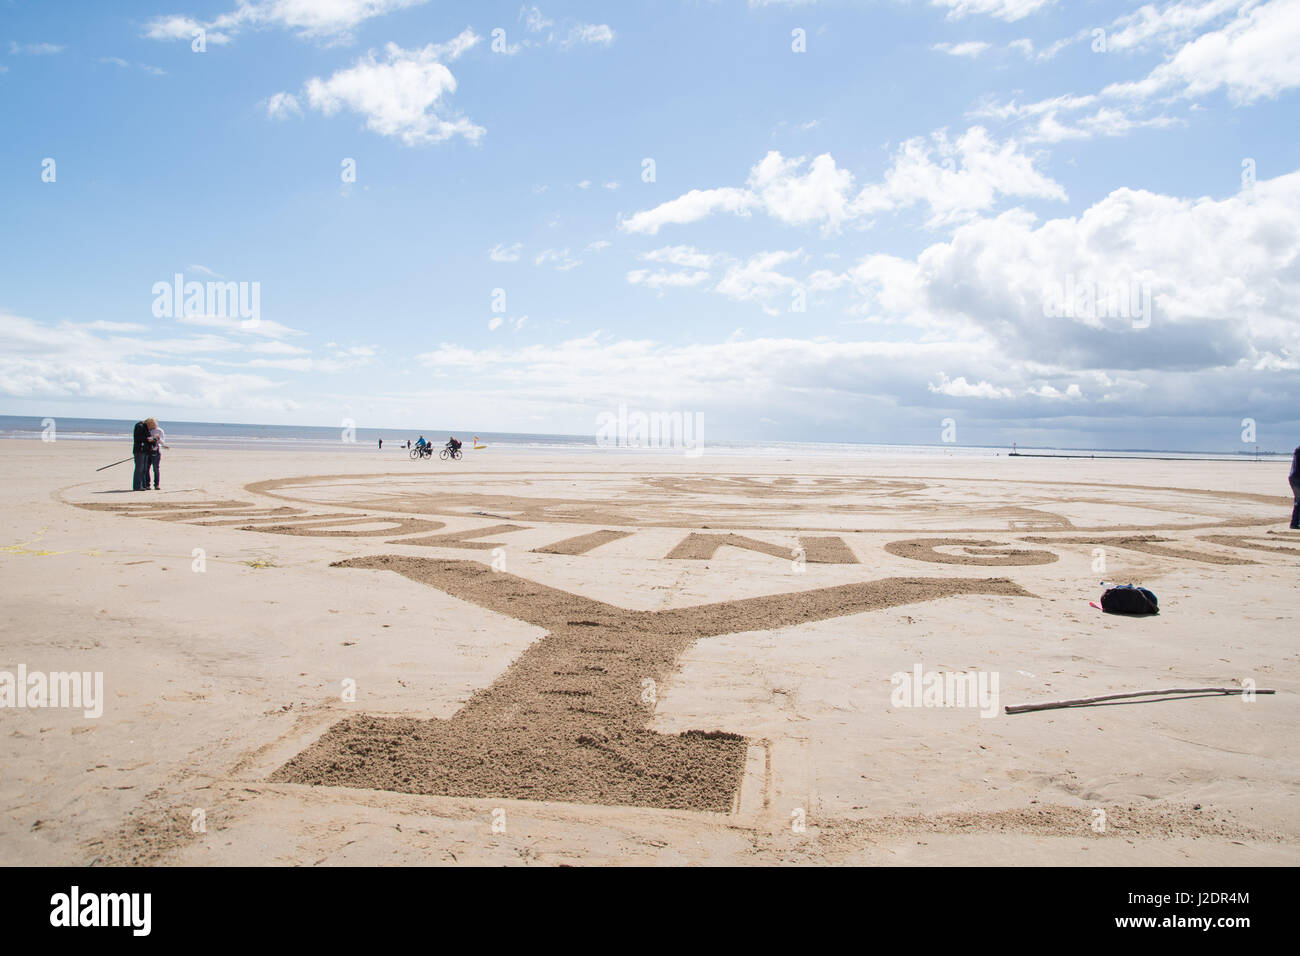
[421, 443]
[453, 444]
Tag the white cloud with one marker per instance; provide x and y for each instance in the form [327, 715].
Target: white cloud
[1009, 10]
[264, 327]
[971, 48]
[331, 20]
[569, 33]
[560, 258]
[34, 49]
[819, 196]
[960, 388]
[757, 279]
[98, 361]
[282, 106]
[399, 97]
[954, 179]
[595, 34]
[685, 256]
[662, 278]
[1173, 23]
[1220, 277]
[504, 253]
[1253, 57]
[691, 207]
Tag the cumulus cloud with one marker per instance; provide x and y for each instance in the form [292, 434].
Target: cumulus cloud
[401, 96]
[954, 179]
[1173, 23]
[757, 279]
[282, 106]
[1220, 276]
[1251, 58]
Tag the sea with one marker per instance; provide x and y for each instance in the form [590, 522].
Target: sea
[319, 438]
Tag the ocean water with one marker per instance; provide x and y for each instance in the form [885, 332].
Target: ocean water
[318, 438]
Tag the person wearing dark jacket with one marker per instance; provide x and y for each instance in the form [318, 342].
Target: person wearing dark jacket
[1295, 489]
[140, 482]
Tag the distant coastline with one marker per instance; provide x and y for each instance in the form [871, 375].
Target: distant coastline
[229, 434]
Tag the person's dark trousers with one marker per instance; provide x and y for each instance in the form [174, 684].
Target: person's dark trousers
[155, 463]
[1295, 512]
[141, 479]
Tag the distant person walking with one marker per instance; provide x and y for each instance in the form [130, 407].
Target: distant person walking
[157, 442]
[381, 444]
[140, 449]
[1295, 489]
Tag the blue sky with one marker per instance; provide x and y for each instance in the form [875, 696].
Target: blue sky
[858, 215]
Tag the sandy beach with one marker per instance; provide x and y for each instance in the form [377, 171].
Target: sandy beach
[614, 657]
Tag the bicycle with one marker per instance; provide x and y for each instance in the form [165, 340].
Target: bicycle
[421, 451]
[455, 454]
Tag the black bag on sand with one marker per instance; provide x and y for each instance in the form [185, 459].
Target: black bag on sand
[1128, 599]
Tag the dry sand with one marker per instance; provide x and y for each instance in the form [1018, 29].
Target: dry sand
[528, 657]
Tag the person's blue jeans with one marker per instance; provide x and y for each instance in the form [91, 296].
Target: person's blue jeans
[140, 480]
[155, 463]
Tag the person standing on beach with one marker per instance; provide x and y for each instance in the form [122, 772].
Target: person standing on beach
[140, 449]
[1295, 490]
[381, 444]
[156, 445]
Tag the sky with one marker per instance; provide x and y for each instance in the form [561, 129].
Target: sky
[1054, 222]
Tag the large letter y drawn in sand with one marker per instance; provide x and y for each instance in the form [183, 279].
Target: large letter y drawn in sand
[566, 721]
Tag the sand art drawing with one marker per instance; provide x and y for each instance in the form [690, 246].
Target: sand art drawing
[566, 721]
[788, 503]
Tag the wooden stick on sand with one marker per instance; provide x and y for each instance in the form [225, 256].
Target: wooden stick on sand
[1054, 704]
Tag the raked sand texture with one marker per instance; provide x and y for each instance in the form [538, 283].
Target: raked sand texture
[599, 658]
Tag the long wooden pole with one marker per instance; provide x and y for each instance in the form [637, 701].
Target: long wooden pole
[115, 463]
[1053, 704]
